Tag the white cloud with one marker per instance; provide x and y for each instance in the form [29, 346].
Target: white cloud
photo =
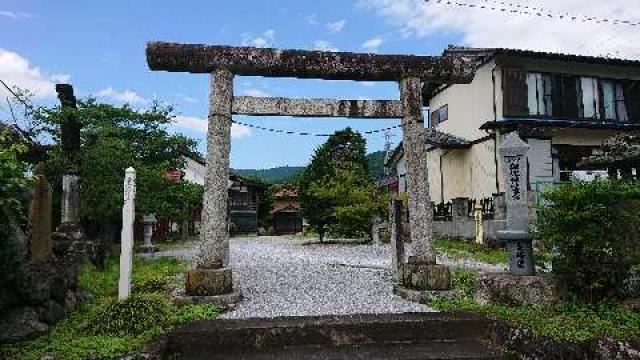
[486, 28]
[336, 26]
[256, 93]
[200, 125]
[323, 45]
[312, 19]
[16, 70]
[263, 40]
[20, 15]
[126, 96]
[367, 83]
[372, 44]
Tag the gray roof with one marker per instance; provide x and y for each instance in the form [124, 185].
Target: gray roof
[487, 53]
[436, 139]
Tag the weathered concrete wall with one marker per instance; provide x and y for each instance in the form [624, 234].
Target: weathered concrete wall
[469, 105]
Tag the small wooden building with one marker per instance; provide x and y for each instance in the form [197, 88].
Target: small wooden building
[244, 199]
[286, 212]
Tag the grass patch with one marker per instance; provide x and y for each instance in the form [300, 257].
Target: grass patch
[572, 320]
[107, 328]
[457, 249]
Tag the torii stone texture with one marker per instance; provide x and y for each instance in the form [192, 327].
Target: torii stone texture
[415, 150]
[421, 272]
[212, 276]
[270, 106]
[214, 235]
[251, 61]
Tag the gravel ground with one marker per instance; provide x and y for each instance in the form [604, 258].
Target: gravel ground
[283, 277]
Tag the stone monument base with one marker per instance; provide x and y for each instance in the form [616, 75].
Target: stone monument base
[209, 282]
[425, 296]
[424, 276]
[518, 290]
[224, 301]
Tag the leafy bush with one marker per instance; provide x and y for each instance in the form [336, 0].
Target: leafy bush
[133, 316]
[193, 312]
[594, 228]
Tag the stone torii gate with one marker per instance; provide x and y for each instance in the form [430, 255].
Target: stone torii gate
[212, 275]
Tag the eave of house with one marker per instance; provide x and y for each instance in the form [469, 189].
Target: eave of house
[510, 123]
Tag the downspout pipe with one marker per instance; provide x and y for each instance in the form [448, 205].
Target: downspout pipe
[495, 134]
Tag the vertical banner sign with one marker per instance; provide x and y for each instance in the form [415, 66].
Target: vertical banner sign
[126, 237]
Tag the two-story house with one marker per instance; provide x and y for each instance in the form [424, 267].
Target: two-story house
[564, 106]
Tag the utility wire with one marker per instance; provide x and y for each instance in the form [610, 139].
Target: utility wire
[506, 7]
[302, 133]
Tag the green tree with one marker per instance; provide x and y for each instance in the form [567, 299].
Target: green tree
[338, 168]
[112, 139]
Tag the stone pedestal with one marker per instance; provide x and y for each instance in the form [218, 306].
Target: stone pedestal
[498, 288]
[421, 276]
[209, 282]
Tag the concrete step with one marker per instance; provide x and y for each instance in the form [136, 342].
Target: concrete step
[389, 336]
[451, 350]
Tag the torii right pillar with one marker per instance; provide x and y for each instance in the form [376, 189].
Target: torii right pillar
[421, 272]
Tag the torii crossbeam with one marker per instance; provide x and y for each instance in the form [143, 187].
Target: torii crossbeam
[212, 275]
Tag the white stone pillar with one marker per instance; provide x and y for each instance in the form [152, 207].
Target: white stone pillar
[415, 152]
[126, 237]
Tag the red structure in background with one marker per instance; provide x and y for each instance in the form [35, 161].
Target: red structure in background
[390, 182]
[286, 212]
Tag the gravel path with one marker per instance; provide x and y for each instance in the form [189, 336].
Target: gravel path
[283, 277]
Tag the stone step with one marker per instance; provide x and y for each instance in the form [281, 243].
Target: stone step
[465, 349]
[425, 335]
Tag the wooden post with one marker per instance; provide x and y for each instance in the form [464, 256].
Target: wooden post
[126, 237]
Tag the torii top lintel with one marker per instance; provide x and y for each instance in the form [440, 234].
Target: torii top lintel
[250, 61]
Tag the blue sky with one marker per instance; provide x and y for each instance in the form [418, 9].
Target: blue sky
[98, 46]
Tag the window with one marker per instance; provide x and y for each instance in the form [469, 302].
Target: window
[614, 105]
[439, 115]
[589, 98]
[540, 94]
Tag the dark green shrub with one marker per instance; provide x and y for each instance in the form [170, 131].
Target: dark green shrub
[594, 228]
[135, 315]
[151, 285]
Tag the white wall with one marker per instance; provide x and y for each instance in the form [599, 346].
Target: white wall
[194, 171]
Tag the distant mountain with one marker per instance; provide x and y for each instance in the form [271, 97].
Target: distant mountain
[284, 174]
[276, 175]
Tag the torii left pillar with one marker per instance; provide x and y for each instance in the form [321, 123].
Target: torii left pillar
[212, 275]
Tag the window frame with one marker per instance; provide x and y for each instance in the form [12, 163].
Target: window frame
[577, 77]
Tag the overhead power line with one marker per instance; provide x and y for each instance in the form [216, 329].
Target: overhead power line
[303, 133]
[513, 8]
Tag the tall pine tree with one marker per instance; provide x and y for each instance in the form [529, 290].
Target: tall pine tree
[336, 191]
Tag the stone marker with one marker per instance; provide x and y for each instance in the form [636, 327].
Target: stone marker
[40, 219]
[126, 237]
[513, 153]
[477, 215]
[148, 221]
